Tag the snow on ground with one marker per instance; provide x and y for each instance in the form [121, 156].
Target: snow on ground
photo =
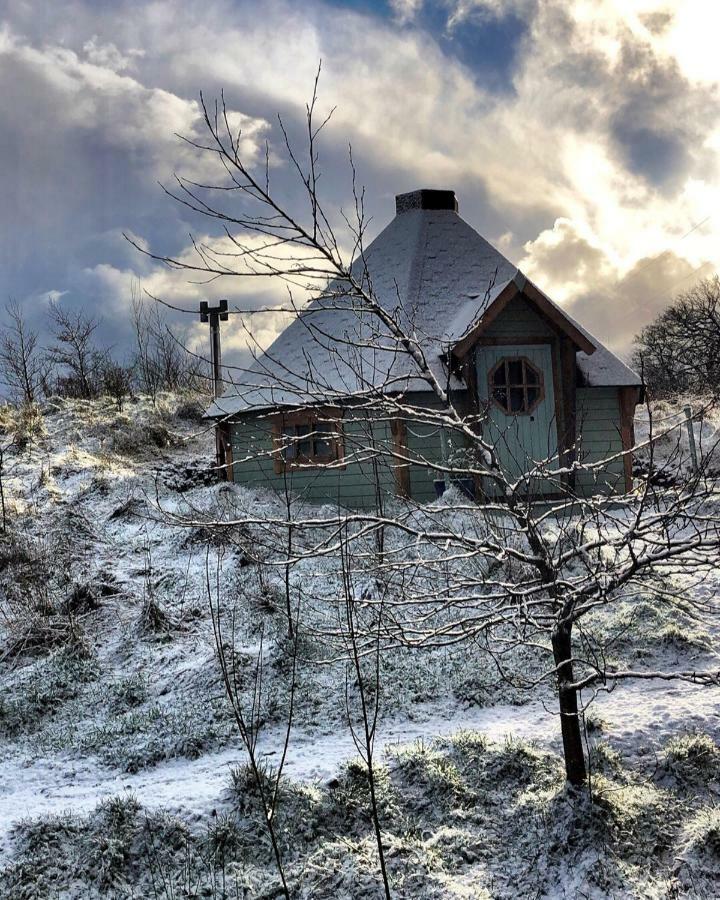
[640, 716]
[145, 714]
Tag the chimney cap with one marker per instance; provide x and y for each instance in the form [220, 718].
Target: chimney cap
[425, 198]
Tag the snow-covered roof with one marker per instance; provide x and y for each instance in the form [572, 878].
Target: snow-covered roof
[436, 275]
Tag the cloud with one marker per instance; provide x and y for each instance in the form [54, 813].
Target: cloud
[565, 259]
[405, 10]
[248, 295]
[601, 153]
[108, 56]
[611, 303]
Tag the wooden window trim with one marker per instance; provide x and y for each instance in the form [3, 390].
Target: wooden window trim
[540, 386]
[401, 468]
[309, 417]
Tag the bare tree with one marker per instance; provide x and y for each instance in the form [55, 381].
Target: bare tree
[510, 573]
[22, 360]
[248, 720]
[116, 380]
[74, 351]
[365, 669]
[162, 362]
[680, 350]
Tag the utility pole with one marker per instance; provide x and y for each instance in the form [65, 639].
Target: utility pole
[214, 315]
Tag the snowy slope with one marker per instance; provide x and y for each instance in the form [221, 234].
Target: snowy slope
[139, 709]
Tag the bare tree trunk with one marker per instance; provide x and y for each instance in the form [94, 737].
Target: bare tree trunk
[569, 718]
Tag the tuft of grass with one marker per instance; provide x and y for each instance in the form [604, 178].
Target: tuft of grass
[697, 865]
[29, 426]
[41, 690]
[434, 776]
[154, 622]
[128, 692]
[605, 759]
[82, 598]
[692, 760]
[682, 637]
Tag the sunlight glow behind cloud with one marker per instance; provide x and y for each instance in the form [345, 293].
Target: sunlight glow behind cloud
[598, 157]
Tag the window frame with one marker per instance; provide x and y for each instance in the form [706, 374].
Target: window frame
[527, 409]
[310, 419]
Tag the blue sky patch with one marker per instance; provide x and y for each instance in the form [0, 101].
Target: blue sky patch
[487, 44]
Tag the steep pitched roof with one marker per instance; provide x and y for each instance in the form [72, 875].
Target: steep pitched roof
[438, 277]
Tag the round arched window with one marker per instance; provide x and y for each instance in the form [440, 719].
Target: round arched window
[516, 385]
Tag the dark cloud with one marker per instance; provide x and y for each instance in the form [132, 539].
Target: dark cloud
[660, 118]
[92, 93]
[617, 309]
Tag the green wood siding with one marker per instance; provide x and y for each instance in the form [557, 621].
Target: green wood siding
[598, 432]
[424, 443]
[353, 485]
[518, 322]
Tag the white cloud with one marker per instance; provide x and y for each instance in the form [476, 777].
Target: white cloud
[108, 56]
[94, 97]
[562, 193]
[406, 10]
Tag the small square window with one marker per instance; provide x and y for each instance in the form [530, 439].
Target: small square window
[306, 442]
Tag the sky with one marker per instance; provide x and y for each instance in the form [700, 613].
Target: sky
[581, 137]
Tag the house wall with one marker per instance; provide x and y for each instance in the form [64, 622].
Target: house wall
[352, 485]
[599, 435]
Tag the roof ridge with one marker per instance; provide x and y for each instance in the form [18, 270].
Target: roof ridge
[415, 275]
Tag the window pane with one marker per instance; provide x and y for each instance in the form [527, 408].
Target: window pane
[517, 400]
[531, 375]
[288, 443]
[500, 397]
[323, 439]
[533, 394]
[499, 375]
[515, 371]
[302, 444]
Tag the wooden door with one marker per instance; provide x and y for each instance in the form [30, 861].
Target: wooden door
[516, 387]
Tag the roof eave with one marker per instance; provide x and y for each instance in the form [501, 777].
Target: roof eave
[521, 285]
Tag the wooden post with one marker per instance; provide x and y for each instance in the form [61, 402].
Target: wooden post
[628, 397]
[214, 315]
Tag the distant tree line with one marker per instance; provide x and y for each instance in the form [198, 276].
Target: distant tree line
[680, 351]
[73, 364]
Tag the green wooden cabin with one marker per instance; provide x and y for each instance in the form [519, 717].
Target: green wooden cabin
[298, 418]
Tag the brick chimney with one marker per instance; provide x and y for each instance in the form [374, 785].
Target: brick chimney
[425, 198]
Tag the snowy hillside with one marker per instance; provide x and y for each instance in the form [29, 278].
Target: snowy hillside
[121, 770]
